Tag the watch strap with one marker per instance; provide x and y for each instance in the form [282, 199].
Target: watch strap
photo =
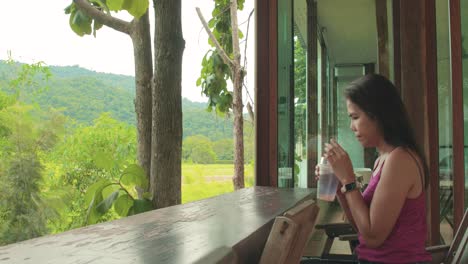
[349, 187]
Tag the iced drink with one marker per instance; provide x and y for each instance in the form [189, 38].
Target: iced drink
[327, 182]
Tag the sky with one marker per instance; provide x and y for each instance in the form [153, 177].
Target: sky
[36, 31]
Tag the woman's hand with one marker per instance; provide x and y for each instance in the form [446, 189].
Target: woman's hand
[339, 160]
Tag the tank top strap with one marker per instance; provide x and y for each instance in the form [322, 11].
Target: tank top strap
[421, 175]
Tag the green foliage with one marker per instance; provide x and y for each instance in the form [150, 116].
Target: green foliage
[224, 149]
[26, 132]
[28, 79]
[198, 149]
[82, 24]
[23, 208]
[124, 194]
[88, 155]
[215, 73]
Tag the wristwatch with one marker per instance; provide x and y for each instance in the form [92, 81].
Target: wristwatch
[350, 186]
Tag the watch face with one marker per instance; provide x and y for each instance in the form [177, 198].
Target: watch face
[348, 187]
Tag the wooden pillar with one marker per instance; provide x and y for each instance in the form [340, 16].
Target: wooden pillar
[382, 37]
[457, 113]
[324, 100]
[396, 44]
[419, 90]
[312, 98]
[266, 94]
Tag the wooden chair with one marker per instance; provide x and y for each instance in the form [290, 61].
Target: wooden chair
[289, 234]
[457, 251]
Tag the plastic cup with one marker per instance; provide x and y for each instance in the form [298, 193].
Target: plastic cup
[327, 183]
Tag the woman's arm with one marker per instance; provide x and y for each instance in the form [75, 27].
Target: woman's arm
[344, 205]
[396, 180]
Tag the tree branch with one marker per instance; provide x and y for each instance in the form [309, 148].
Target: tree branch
[247, 38]
[223, 53]
[103, 18]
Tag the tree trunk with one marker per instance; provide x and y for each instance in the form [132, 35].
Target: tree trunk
[237, 107]
[141, 39]
[238, 179]
[167, 104]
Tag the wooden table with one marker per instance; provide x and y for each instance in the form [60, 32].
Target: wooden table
[178, 234]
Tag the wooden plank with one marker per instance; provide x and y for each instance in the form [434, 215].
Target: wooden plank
[184, 233]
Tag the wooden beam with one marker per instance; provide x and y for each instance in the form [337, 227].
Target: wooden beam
[266, 109]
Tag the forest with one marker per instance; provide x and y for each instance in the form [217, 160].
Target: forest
[67, 131]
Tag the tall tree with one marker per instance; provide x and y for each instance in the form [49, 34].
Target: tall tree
[222, 64]
[158, 104]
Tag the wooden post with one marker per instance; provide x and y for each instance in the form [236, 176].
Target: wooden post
[312, 98]
[382, 36]
[419, 91]
[266, 95]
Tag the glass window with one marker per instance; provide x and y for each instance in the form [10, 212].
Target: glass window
[285, 95]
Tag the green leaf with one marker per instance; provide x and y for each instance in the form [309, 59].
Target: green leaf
[241, 35]
[109, 189]
[94, 189]
[69, 8]
[123, 204]
[147, 195]
[80, 23]
[106, 204]
[103, 160]
[136, 7]
[211, 23]
[140, 206]
[115, 5]
[93, 197]
[134, 175]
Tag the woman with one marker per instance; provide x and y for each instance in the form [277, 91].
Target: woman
[390, 216]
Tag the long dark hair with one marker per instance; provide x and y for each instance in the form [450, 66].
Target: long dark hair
[379, 99]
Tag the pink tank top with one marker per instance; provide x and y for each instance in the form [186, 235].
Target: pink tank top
[406, 242]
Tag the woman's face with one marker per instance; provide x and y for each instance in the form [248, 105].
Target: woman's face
[365, 128]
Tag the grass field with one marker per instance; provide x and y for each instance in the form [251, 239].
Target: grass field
[201, 181]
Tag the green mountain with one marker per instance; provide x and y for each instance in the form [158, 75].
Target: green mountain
[84, 94]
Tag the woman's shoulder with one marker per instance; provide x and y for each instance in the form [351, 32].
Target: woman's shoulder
[405, 155]
[402, 159]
